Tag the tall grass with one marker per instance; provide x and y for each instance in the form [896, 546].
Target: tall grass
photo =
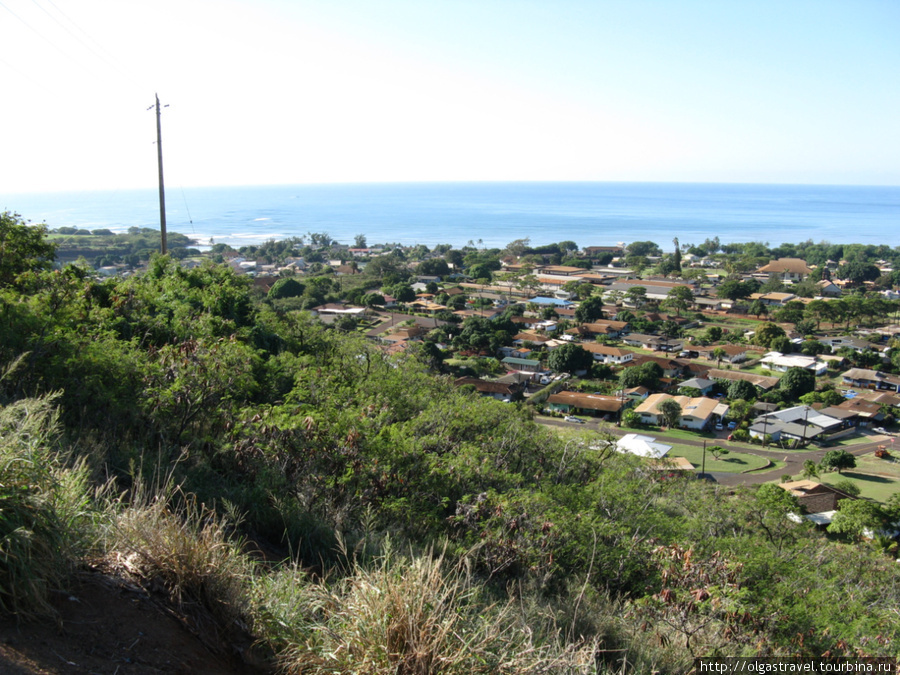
[42, 508]
[414, 615]
[168, 538]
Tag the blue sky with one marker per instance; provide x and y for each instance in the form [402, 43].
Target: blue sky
[304, 91]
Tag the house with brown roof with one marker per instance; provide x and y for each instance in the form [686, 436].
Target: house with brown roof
[586, 404]
[670, 367]
[611, 329]
[502, 391]
[788, 269]
[762, 382]
[815, 497]
[773, 299]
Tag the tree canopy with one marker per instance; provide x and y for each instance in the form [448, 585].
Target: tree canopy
[23, 248]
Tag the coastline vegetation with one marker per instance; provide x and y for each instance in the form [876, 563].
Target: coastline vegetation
[353, 511]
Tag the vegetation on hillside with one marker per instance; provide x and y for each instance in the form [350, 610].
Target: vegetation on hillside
[167, 425]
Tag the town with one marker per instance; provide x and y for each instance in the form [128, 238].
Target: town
[738, 362]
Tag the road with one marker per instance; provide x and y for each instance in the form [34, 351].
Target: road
[793, 459]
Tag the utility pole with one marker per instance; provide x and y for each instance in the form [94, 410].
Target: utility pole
[703, 469]
[163, 246]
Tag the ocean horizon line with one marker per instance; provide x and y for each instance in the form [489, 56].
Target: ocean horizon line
[175, 186]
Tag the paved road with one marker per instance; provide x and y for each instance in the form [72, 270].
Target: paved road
[793, 459]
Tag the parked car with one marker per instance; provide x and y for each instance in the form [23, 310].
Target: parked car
[570, 418]
[720, 426]
[732, 426]
[882, 430]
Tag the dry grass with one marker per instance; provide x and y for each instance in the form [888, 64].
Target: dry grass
[405, 616]
[172, 540]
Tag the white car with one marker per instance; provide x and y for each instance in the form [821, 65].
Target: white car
[569, 418]
[882, 430]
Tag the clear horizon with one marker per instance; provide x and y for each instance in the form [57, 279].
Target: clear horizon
[310, 92]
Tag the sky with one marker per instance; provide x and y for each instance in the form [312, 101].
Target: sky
[312, 91]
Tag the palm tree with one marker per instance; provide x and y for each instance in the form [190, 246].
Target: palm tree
[718, 354]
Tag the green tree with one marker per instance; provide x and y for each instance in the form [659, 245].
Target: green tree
[735, 289]
[636, 295]
[858, 517]
[796, 382]
[758, 308]
[717, 451]
[436, 267]
[286, 287]
[23, 248]
[718, 354]
[679, 298]
[643, 248]
[645, 375]
[769, 511]
[741, 389]
[837, 460]
[766, 333]
[569, 358]
[589, 310]
[810, 469]
[402, 292]
[671, 411]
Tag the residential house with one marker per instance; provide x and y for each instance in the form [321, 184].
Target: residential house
[696, 413]
[762, 382]
[701, 384]
[773, 299]
[524, 365]
[611, 329]
[657, 343]
[732, 353]
[670, 367]
[827, 289]
[587, 404]
[856, 344]
[870, 379]
[800, 423]
[502, 391]
[635, 394]
[787, 269]
[606, 354]
[655, 289]
[816, 499]
[782, 362]
[596, 251]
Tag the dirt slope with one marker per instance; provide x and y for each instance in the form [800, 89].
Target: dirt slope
[111, 627]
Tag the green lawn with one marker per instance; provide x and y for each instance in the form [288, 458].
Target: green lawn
[735, 462]
[876, 478]
[850, 440]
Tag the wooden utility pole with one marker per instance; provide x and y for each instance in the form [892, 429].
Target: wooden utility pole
[703, 470]
[163, 247]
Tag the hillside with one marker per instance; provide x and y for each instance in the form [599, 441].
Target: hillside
[288, 483]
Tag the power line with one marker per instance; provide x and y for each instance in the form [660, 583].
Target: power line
[36, 32]
[105, 58]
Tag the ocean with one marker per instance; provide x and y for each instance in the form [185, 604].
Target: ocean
[490, 214]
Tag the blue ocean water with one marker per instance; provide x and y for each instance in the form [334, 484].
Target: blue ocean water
[491, 214]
